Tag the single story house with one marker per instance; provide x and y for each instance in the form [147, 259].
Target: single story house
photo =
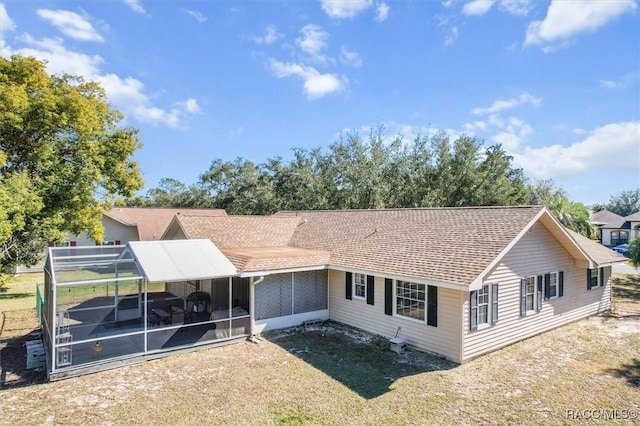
[615, 229]
[458, 282]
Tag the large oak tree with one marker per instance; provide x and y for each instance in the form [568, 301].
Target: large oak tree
[63, 157]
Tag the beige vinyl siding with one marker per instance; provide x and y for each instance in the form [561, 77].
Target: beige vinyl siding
[537, 253]
[175, 233]
[443, 339]
[113, 231]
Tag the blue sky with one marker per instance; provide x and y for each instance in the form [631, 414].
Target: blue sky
[556, 82]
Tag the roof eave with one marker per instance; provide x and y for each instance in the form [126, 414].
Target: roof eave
[117, 219]
[265, 272]
[418, 280]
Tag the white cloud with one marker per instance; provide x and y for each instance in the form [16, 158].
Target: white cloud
[567, 19]
[506, 104]
[515, 131]
[509, 131]
[621, 83]
[191, 106]
[341, 9]
[477, 7]
[513, 7]
[235, 133]
[615, 143]
[135, 6]
[451, 37]
[196, 15]
[516, 7]
[382, 12]
[270, 36]
[313, 41]
[449, 28]
[126, 94]
[470, 128]
[70, 24]
[349, 57]
[59, 59]
[316, 84]
[6, 24]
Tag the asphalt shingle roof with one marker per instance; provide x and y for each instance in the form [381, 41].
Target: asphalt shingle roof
[597, 252]
[605, 217]
[152, 222]
[241, 231]
[451, 245]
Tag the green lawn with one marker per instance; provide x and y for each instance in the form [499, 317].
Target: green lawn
[20, 292]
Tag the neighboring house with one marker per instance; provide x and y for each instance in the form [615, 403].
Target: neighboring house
[458, 282]
[615, 229]
[124, 224]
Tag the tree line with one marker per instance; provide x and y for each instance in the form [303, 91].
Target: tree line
[373, 172]
[355, 173]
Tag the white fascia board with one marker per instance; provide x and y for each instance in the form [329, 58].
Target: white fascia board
[417, 280]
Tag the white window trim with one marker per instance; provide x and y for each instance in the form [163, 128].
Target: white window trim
[395, 303]
[353, 288]
[535, 296]
[557, 275]
[598, 283]
[489, 299]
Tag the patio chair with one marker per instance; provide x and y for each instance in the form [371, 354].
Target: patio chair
[197, 306]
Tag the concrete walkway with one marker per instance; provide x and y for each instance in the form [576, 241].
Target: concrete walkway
[623, 268]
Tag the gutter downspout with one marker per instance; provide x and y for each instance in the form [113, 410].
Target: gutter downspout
[252, 301]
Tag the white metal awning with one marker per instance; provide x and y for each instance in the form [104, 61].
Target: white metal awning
[180, 260]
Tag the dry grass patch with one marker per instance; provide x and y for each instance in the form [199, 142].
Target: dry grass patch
[334, 374]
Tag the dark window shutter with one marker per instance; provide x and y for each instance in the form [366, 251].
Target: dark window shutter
[523, 297]
[494, 303]
[51, 244]
[118, 242]
[539, 304]
[370, 292]
[588, 279]
[560, 283]
[348, 285]
[601, 275]
[388, 296]
[432, 305]
[547, 285]
[73, 243]
[473, 311]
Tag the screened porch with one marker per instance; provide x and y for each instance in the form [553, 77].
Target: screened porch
[110, 305]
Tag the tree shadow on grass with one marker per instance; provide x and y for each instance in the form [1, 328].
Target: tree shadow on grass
[360, 361]
[630, 371]
[13, 365]
[627, 287]
[9, 296]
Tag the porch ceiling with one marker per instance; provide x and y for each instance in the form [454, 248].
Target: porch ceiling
[180, 260]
